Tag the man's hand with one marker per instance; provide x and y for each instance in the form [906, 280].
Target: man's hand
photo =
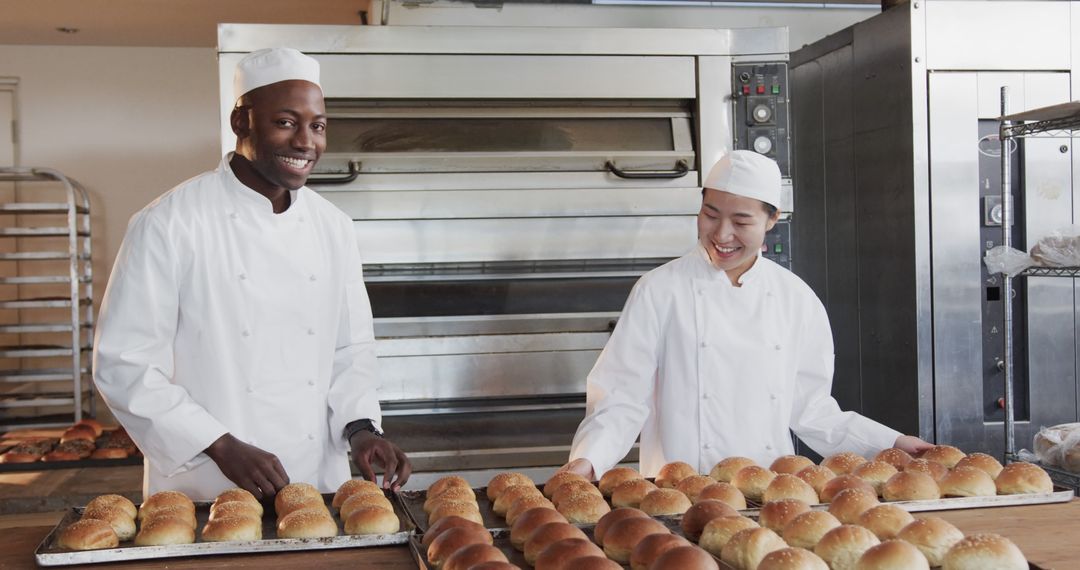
[912, 445]
[582, 467]
[369, 450]
[248, 466]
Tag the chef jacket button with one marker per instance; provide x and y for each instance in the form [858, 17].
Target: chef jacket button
[777, 347]
[700, 292]
[251, 389]
[704, 344]
[310, 382]
[242, 276]
[311, 436]
[707, 446]
[769, 447]
[772, 396]
[311, 332]
[311, 277]
[768, 293]
[232, 215]
[245, 333]
[705, 396]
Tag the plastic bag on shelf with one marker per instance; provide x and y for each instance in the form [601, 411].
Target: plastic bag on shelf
[1059, 249]
[1007, 260]
[1059, 446]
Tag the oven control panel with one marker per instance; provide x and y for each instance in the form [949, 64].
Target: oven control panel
[760, 95]
[777, 246]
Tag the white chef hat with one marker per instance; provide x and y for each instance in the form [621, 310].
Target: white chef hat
[271, 65]
[747, 173]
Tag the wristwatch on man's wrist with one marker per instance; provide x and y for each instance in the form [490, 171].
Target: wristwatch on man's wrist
[353, 427]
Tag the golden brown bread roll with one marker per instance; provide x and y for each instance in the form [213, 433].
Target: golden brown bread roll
[984, 552]
[307, 523]
[665, 502]
[165, 500]
[453, 540]
[446, 524]
[76, 433]
[843, 463]
[109, 453]
[630, 493]
[92, 424]
[817, 477]
[504, 480]
[573, 488]
[911, 486]
[792, 558]
[893, 555]
[584, 508]
[932, 536]
[625, 534]
[363, 500]
[451, 494]
[842, 482]
[885, 521]
[932, 468]
[115, 501]
[693, 485]
[372, 520]
[234, 495]
[122, 524]
[748, 547]
[235, 509]
[20, 457]
[806, 530]
[787, 486]
[876, 473]
[525, 503]
[946, 455]
[600, 562]
[651, 547]
[1022, 478]
[611, 518]
[547, 534]
[352, 487]
[696, 517]
[464, 509]
[670, 474]
[842, 546]
[511, 494]
[176, 512]
[447, 482]
[685, 558]
[225, 529]
[776, 515]
[559, 478]
[725, 493]
[968, 482]
[159, 530]
[88, 534]
[898, 458]
[296, 496]
[613, 477]
[719, 531]
[725, 470]
[982, 461]
[556, 555]
[790, 464]
[752, 481]
[471, 555]
[531, 520]
[848, 505]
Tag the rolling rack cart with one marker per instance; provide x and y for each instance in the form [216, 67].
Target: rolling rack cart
[1057, 121]
[46, 279]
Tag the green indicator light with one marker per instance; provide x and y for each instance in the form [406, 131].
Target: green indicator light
[776, 89]
[778, 248]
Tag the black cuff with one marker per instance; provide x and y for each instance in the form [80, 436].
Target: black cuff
[353, 427]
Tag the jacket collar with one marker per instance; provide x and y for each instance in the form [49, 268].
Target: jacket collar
[753, 274]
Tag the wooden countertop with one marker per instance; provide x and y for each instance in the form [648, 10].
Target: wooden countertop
[1045, 533]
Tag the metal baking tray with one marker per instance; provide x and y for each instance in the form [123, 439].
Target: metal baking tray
[48, 554]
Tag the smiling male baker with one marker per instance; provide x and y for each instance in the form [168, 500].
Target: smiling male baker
[235, 340]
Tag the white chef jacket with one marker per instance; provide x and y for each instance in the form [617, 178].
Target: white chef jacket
[704, 370]
[222, 316]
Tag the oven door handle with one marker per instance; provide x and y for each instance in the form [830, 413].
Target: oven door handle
[681, 168]
[354, 171]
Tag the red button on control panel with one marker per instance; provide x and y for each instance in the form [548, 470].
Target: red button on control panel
[746, 89]
[761, 89]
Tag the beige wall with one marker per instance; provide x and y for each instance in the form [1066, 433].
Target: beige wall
[128, 123]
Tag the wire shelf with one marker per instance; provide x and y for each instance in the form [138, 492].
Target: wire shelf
[1051, 272]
